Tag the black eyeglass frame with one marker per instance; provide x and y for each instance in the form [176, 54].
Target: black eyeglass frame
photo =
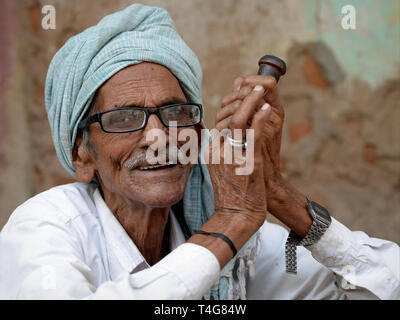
[148, 111]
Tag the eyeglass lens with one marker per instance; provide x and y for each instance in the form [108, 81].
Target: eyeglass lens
[130, 119]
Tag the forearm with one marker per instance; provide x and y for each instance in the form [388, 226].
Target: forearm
[236, 229]
[284, 202]
[289, 206]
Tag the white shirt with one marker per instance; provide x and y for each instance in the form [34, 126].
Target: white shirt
[65, 243]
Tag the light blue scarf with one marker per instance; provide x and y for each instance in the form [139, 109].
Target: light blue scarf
[136, 34]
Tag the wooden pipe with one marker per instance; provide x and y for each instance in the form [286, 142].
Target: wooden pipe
[271, 66]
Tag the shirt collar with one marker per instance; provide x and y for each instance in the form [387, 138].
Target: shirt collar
[121, 246]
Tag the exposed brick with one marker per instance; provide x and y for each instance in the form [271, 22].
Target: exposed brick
[35, 16]
[299, 130]
[312, 72]
[370, 153]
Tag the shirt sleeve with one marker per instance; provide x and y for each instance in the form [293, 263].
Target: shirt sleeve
[42, 259]
[359, 262]
[313, 281]
[186, 273]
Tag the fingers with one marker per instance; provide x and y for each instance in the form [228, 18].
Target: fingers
[230, 104]
[275, 119]
[223, 124]
[243, 86]
[228, 110]
[237, 83]
[242, 93]
[258, 125]
[248, 107]
[269, 83]
[238, 107]
[259, 120]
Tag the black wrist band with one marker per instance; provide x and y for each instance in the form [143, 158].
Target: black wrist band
[219, 235]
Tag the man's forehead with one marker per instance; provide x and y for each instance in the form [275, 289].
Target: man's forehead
[143, 70]
[144, 84]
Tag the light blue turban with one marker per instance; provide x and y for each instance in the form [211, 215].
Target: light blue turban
[131, 36]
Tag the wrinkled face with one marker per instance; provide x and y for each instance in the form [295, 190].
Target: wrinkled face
[144, 85]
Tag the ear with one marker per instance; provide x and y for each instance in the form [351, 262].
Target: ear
[82, 160]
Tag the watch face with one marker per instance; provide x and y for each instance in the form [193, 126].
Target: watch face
[321, 212]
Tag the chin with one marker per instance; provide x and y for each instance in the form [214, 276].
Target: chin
[157, 198]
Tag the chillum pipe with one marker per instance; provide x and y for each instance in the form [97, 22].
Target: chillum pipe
[271, 66]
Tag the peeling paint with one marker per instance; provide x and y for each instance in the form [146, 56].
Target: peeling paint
[370, 53]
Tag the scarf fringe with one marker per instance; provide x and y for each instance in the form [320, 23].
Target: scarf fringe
[233, 278]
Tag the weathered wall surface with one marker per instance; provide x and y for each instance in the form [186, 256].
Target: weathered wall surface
[341, 142]
[15, 157]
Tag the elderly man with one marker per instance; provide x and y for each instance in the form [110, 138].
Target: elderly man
[135, 229]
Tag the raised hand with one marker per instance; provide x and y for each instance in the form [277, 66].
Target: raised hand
[272, 127]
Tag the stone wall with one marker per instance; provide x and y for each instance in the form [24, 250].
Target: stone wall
[341, 142]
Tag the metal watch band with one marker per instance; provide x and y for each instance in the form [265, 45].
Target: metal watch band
[314, 234]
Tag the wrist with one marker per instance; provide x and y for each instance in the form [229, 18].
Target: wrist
[289, 206]
[245, 220]
[237, 229]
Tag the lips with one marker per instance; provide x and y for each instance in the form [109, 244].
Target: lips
[163, 171]
[155, 166]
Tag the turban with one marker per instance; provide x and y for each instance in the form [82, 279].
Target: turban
[138, 33]
[131, 36]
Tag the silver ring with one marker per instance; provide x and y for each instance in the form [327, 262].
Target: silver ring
[236, 143]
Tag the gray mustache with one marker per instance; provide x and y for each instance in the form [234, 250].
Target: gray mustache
[144, 158]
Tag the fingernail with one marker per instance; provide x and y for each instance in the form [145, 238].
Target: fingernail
[265, 106]
[258, 88]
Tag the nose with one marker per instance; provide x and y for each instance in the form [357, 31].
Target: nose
[155, 134]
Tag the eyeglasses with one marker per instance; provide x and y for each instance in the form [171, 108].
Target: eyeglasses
[128, 119]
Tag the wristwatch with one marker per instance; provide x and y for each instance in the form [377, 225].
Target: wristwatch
[321, 221]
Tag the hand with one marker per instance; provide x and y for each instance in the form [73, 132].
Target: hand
[272, 127]
[284, 201]
[242, 196]
[241, 200]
